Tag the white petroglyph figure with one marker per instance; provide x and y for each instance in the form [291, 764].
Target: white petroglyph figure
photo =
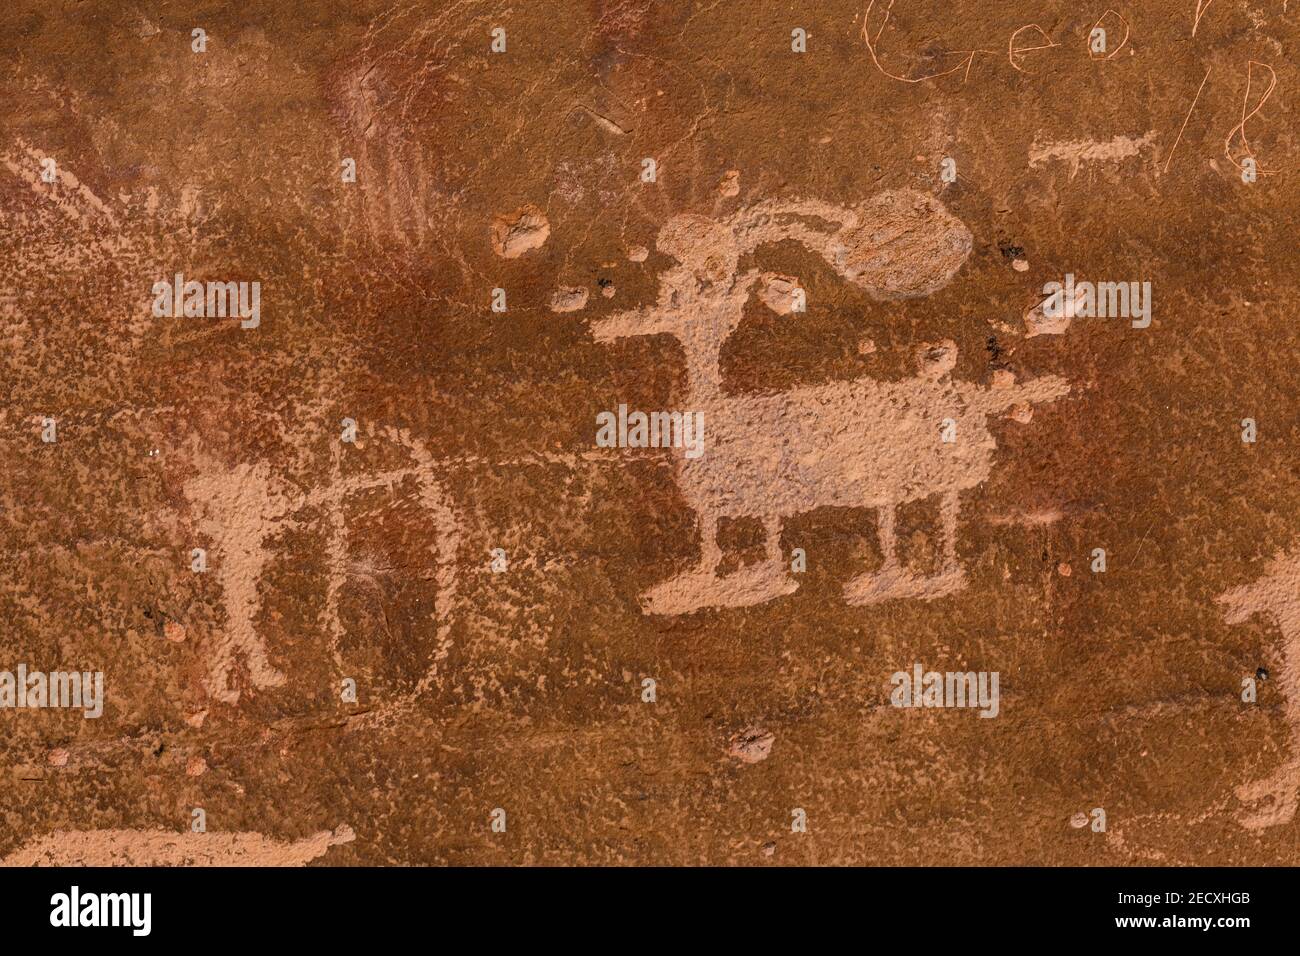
[170, 848]
[1273, 799]
[861, 443]
[240, 510]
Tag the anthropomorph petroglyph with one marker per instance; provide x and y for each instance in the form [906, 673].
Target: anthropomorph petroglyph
[860, 443]
[1273, 799]
[239, 509]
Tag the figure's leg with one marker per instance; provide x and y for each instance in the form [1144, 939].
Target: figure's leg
[710, 553]
[887, 536]
[892, 581]
[772, 528]
[949, 508]
[703, 587]
[950, 577]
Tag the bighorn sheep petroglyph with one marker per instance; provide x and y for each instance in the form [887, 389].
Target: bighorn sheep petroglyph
[861, 443]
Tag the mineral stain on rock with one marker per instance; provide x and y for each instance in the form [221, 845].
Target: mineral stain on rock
[521, 231]
[751, 745]
[569, 299]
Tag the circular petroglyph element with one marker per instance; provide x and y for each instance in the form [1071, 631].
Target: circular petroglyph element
[903, 243]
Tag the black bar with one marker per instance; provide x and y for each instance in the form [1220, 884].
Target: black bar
[947, 906]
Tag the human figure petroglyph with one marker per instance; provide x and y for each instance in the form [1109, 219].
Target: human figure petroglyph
[1272, 800]
[241, 508]
[859, 443]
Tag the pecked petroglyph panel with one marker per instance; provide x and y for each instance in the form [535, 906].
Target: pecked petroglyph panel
[628, 416]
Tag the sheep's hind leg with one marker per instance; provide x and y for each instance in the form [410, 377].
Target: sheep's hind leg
[892, 581]
[950, 577]
[702, 587]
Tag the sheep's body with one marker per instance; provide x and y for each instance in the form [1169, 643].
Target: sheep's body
[859, 443]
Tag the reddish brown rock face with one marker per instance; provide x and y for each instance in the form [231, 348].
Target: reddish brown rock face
[648, 420]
